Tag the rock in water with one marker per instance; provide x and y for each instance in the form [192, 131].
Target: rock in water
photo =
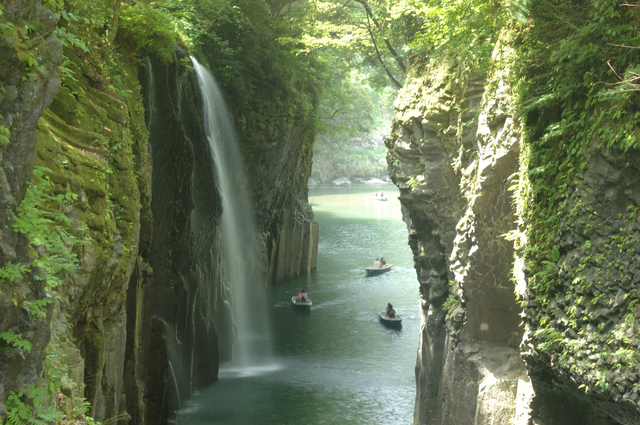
[343, 181]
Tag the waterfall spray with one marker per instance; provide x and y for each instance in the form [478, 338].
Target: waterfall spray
[242, 257]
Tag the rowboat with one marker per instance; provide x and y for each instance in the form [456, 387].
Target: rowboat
[380, 198]
[297, 303]
[390, 321]
[373, 271]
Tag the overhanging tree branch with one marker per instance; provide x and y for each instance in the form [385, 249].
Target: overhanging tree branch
[393, 52]
[380, 57]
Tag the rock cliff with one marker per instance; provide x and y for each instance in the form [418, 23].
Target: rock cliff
[523, 243]
[126, 159]
[454, 186]
[24, 95]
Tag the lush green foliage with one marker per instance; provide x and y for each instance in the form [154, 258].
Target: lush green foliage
[389, 35]
[573, 93]
[41, 216]
[269, 87]
[4, 133]
[15, 340]
[379, 39]
[351, 111]
[266, 60]
[464, 30]
[352, 108]
[37, 411]
[576, 85]
[34, 405]
[577, 66]
[362, 33]
[149, 29]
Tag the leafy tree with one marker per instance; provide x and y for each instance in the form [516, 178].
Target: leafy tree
[362, 32]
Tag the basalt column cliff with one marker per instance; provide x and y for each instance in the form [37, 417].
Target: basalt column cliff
[113, 287]
[520, 194]
[457, 208]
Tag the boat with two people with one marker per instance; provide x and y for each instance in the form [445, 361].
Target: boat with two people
[301, 299]
[379, 267]
[379, 196]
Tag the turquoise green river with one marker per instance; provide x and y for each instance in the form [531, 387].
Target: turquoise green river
[334, 363]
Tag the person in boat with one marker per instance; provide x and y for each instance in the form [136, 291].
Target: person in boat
[390, 311]
[376, 263]
[302, 296]
[382, 262]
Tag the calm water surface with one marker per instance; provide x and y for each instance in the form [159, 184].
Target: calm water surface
[335, 364]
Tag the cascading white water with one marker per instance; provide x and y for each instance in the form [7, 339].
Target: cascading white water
[242, 257]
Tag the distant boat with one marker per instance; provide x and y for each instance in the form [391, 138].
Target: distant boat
[374, 271]
[297, 303]
[380, 198]
[390, 321]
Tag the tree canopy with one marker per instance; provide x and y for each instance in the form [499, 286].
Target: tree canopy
[293, 55]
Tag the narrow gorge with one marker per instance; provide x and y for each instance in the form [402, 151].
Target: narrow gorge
[514, 147]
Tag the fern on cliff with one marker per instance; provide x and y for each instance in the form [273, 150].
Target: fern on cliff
[575, 81]
[52, 236]
[53, 242]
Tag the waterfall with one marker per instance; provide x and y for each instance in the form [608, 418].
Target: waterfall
[243, 260]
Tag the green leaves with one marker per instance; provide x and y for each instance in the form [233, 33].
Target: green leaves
[576, 81]
[19, 412]
[148, 28]
[41, 216]
[12, 271]
[69, 39]
[15, 340]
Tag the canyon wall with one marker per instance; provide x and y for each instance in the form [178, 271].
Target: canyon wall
[23, 98]
[128, 165]
[181, 316]
[454, 185]
[526, 256]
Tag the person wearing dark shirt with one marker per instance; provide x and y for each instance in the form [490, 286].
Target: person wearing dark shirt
[390, 311]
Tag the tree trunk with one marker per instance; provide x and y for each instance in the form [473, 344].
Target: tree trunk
[113, 30]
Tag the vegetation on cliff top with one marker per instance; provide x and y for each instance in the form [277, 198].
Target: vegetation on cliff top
[577, 70]
[572, 69]
[376, 42]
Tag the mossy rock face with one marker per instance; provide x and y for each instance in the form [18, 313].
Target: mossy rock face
[93, 351]
[66, 106]
[453, 181]
[96, 148]
[24, 94]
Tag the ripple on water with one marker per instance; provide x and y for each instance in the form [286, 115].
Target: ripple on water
[249, 371]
